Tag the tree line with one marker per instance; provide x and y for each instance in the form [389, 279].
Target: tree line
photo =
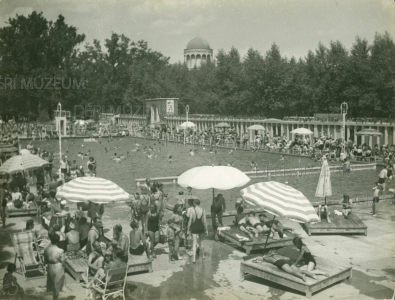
[124, 72]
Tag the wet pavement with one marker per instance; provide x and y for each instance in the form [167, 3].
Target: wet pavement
[217, 276]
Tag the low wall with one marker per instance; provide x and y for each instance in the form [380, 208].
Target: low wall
[273, 173]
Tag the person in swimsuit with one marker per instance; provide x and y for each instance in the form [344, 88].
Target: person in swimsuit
[177, 226]
[285, 263]
[197, 226]
[95, 259]
[138, 243]
[241, 223]
[217, 209]
[121, 241]
[308, 258]
[276, 225]
[152, 228]
[262, 228]
[384, 175]
[376, 198]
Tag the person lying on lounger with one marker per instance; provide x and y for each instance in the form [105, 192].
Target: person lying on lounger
[255, 223]
[285, 264]
[241, 223]
[277, 226]
[307, 257]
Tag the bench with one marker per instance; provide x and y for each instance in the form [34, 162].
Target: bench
[254, 243]
[139, 263]
[76, 267]
[13, 212]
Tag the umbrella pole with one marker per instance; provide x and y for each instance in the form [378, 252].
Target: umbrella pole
[270, 230]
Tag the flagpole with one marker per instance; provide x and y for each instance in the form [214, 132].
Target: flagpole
[60, 134]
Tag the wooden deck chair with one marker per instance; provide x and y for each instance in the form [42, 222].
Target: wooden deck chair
[23, 245]
[114, 284]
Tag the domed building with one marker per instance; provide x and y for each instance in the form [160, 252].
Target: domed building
[198, 51]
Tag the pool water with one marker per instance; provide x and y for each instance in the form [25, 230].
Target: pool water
[138, 165]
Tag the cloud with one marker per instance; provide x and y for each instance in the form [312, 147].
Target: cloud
[21, 11]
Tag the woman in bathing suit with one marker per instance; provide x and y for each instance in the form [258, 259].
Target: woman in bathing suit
[309, 260]
[285, 263]
[197, 226]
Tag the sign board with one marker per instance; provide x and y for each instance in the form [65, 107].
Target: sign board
[170, 106]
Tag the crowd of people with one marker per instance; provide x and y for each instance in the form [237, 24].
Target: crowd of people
[72, 236]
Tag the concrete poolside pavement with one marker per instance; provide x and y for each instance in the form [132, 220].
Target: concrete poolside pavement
[217, 276]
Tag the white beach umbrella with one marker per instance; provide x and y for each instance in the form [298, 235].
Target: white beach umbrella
[215, 177]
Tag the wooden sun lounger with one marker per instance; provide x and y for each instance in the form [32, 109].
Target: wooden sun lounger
[230, 213]
[76, 267]
[136, 263]
[13, 212]
[255, 243]
[273, 274]
[139, 263]
[338, 224]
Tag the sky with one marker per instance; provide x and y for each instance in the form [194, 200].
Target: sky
[296, 26]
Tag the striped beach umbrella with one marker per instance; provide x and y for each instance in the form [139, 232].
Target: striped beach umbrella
[20, 163]
[93, 189]
[280, 200]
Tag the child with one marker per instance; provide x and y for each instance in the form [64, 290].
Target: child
[170, 239]
[309, 260]
[10, 285]
[170, 159]
[346, 206]
[376, 198]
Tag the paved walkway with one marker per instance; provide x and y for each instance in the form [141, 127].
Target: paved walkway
[217, 277]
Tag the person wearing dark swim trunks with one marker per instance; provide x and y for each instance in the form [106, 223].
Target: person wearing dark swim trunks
[253, 221]
[285, 264]
[384, 175]
[276, 225]
[307, 257]
[138, 243]
[241, 223]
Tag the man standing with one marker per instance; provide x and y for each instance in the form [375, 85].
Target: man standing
[93, 234]
[52, 186]
[121, 241]
[383, 176]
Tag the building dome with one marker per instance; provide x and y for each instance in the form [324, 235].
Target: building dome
[198, 43]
